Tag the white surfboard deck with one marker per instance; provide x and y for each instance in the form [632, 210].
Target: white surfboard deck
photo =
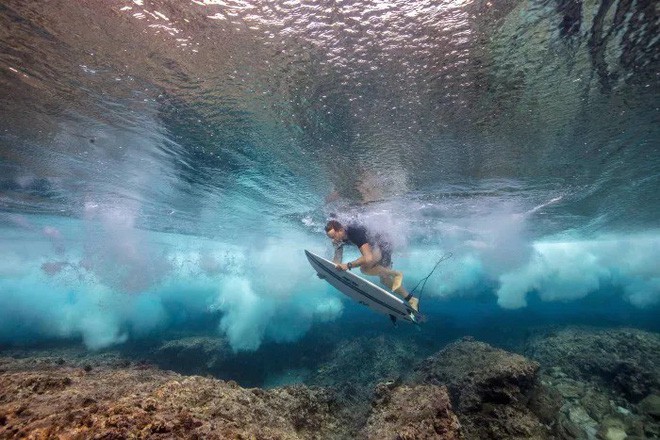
[364, 291]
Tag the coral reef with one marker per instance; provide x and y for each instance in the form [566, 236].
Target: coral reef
[273, 364]
[608, 380]
[200, 355]
[146, 402]
[624, 360]
[579, 384]
[77, 394]
[412, 413]
[494, 392]
[365, 361]
[590, 411]
[356, 366]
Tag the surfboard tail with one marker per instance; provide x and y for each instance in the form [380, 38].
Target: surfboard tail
[418, 318]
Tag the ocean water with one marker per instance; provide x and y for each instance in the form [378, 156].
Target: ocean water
[163, 165]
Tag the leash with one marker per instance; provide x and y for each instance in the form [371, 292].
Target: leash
[426, 278]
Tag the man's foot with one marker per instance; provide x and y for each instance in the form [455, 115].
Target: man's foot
[396, 281]
[414, 303]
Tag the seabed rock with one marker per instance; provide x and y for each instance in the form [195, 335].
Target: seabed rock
[192, 354]
[417, 412]
[142, 401]
[600, 375]
[366, 361]
[151, 403]
[624, 360]
[495, 393]
[469, 390]
[650, 405]
[359, 366]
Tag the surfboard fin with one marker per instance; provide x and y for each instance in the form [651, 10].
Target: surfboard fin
[393, 319]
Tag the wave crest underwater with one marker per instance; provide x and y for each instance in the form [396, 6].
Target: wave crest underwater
[164, 166]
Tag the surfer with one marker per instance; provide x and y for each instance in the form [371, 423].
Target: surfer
[376, 256]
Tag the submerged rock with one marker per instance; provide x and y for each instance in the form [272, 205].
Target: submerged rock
[624, 360]
[191, 354]
[151, 403]
[477, 373]
[366, 361]
[411, 413]
[468, 390]
[612, 429]
[600, 375]
[142, 401]
[650, 405]
[578, 424]
[356, 366]
[492, 390]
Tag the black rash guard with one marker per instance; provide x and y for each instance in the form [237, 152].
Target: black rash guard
[358, 235]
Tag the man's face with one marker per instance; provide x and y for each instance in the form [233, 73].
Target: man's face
[336, 235]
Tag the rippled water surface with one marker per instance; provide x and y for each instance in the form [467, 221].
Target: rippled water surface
[177, 152]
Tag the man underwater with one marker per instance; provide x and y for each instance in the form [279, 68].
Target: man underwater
[376, 256]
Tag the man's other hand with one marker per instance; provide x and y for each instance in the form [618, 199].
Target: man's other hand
[341, 266]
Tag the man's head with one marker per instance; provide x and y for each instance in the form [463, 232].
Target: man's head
[335, 231]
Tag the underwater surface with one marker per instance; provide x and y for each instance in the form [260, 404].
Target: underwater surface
[164, 164]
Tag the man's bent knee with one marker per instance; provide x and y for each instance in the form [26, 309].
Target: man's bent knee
[369, 269]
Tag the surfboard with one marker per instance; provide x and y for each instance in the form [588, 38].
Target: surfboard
[364, 291]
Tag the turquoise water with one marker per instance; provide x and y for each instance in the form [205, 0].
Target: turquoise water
[164, 164]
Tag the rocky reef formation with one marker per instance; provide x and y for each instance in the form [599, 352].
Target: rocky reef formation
[495, 393]
[146, 402]
[355, 369]
[412, 413]
[574, 384]
[608, 380]
[624, 360]
[191, 354]
[365, 361]
[203, 354]
[589, 411]
[55, 397]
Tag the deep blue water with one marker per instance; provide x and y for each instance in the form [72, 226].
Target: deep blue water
[164, 164]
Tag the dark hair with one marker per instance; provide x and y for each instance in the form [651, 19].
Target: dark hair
[333, 224]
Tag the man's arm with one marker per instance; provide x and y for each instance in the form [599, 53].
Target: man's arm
[339, 254]
[366, 258]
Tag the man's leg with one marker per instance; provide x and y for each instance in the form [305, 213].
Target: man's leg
[388, 277]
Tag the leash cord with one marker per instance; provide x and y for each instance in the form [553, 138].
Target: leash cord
[426, 278]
